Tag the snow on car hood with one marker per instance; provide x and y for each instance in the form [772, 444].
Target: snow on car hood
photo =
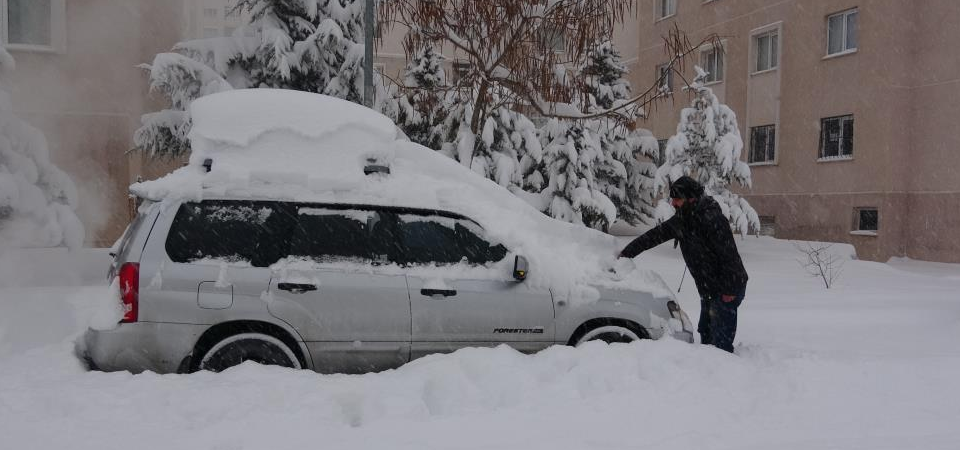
[297, 146]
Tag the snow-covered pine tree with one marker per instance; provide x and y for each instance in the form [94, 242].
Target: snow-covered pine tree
[307, 45]
[622, 175]
[570, 159]
[708, 147]
[421, 106]
[507, 143]
[38, 201]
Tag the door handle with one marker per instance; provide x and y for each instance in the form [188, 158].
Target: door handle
[296, 288]
[443, 292]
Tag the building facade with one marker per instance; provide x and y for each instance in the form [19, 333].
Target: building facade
[77, 81]
[844, 107]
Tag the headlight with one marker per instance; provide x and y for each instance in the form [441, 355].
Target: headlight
[678, 314]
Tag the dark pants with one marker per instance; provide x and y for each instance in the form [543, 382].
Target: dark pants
[718, 321]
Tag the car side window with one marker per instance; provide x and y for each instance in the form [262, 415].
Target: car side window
[435, 239]
[327, 234]
[229, 230]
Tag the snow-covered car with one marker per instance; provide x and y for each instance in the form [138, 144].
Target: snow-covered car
[305, 233]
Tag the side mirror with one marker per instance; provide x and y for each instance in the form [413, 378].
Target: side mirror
[520, 268]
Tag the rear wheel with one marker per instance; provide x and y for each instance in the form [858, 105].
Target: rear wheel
[609, 334]
[257, 347]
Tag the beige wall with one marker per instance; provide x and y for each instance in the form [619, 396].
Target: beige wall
[87, 99]
[901, 87]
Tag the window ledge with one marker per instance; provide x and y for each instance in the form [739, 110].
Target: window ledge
[30, 48]
[762, 163]
[840, 54]
[664, 18]
[863, 233]
[835, 158]
[712, 83]
[765, 71]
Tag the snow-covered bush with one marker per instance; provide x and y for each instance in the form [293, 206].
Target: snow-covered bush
[38, 201]
[307, 45]
[622, 174]
[708, 148]
[422, 108]
[571, 156]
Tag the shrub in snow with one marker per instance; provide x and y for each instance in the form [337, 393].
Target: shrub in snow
[422, 109]
[707, 147]
[37, 200]
[507, 144]
[306, 45]
[622, 175]
[571, 155]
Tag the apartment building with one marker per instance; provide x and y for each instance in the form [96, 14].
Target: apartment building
[77, 81]
[845, 108]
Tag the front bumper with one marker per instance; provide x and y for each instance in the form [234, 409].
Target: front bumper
[685, 336]
[140, 346]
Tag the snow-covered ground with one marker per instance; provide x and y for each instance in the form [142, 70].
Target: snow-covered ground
[870, 364]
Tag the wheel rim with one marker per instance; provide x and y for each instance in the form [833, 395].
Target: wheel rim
[610, 334]
[235, 350]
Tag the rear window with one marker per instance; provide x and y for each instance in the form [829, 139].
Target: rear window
[232, 231]
[123, 247]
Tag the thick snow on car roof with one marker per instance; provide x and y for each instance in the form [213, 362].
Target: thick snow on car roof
[297, 146]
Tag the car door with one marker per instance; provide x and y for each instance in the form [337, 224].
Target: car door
[353, 314]
[462, 292]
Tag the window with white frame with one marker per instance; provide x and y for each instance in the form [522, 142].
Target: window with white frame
[836, 137]
[866, 219]
[766, 49]
[211, 32]
[28, 22]
[210, 13]
[763, 141]
[228, 31]
[842, 32]
[711, 61]
[666, 8]
[665, 78]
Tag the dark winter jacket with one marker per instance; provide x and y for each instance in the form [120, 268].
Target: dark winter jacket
[706, 243]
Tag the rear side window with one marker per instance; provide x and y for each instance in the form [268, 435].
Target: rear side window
[233, 231]
[123, 247]
[336, 234]
[435, 239]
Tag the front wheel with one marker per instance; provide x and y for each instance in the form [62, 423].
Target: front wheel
[609, 334]
[256, 347]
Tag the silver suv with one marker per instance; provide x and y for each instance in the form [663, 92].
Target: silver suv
[337, 288]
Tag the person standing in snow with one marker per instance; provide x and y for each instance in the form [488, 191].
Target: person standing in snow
[711, 255]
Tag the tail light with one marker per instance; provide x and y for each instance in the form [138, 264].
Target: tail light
[130, 291]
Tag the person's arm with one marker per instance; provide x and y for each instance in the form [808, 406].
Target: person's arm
[656, 236]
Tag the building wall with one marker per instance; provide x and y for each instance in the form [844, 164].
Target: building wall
[900, 86]
[87, 98]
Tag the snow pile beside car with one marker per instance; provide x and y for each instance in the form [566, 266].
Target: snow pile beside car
[296, 146]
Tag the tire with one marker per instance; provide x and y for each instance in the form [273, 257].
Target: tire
[610, 334]
[257, 347]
